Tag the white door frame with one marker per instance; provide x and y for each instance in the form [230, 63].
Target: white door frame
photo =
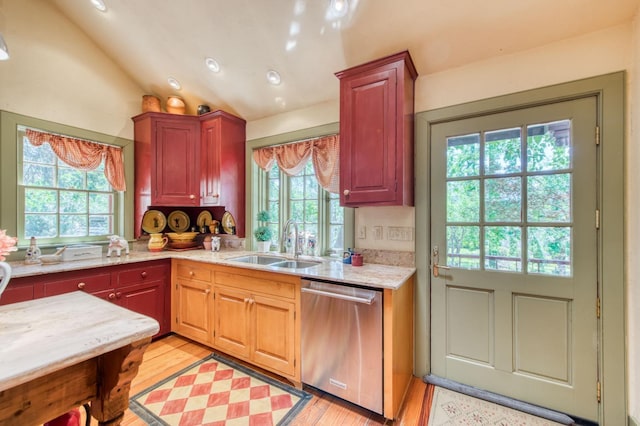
[609, 90]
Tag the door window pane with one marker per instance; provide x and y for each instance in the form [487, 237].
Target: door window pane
[463, 201]
[463, 246]
[549, 250]
[549, 146]
[463, 156]
[549, 198]
[502, 151]
[502, 199]
[503, 248]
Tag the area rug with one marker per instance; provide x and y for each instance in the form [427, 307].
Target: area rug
[451, 408]
[216, 391]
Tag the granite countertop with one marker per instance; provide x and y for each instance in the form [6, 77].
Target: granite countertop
[44, 335]
[370, 275]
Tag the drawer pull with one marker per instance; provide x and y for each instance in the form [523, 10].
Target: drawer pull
[143, 274]
[81, 285]
[191, 273]
[112, 296]
[118, 295]
[207, 291]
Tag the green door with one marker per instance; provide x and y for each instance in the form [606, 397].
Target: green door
[514, 254]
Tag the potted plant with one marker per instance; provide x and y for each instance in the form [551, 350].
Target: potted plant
[263, 233]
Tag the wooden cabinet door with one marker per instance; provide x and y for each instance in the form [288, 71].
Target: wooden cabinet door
[222, 164]
[273, 334]
[175, 172]
[232, 321]
[376, 132]
[146, 298]
[193, 310]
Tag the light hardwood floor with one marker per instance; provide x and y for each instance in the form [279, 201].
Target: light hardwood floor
[170, 354]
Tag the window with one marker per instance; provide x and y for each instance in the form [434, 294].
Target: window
[58, 203]
[320, 219]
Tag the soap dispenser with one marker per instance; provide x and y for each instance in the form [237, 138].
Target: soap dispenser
[32, 256]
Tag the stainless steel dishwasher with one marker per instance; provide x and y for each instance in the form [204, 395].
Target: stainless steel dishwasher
[342, 342]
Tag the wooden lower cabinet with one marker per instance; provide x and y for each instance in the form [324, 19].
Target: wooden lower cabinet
[248, 314]
[192, 300]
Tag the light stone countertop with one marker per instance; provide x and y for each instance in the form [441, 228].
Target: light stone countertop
[41, 336]
[370, 275]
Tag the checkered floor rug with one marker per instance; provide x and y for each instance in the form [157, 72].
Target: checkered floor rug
[216, 391]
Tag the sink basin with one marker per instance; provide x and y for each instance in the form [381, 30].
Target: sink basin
[294, 264]
[257, 260]
[275, 262]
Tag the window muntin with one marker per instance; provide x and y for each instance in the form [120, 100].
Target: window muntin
[60, 203]
[509, 200]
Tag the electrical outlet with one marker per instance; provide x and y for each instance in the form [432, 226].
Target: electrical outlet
[400, 233]
[377, 232]
[362, 232]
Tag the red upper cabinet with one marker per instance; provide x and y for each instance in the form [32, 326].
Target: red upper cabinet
[189, 161]
[222, 163]
[376, 132]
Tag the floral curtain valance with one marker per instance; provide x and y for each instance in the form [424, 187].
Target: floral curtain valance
[291, 159]
[84, 155]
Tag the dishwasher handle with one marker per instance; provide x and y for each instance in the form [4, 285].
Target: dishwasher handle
[365, 300]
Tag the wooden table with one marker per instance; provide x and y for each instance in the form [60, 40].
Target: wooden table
[60, 352]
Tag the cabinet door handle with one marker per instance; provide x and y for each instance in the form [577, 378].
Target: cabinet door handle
[207, 291]
[81, 285]
[247, 300]
[112, 296]
[118, 295]
[192, 197]
[191, 273]
[143, 274]
[346, 192]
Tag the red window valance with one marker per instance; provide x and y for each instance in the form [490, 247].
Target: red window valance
[84, 155]
[292, 157]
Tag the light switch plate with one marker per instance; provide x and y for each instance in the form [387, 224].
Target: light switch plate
[362, 232]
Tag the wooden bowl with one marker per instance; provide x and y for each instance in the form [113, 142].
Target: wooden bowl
[181, 236]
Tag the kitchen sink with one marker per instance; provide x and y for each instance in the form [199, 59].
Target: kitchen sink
[257, 260]
[275, 262]
[294, 264]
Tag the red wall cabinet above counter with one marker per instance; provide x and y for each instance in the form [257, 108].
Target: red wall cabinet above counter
[376, 132]
[189, 161]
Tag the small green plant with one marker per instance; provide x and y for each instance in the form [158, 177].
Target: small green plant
[263, 232]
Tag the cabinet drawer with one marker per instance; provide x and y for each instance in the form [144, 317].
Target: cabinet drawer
[89, 283]
[143, 273]
[256, 284]
[193, 271]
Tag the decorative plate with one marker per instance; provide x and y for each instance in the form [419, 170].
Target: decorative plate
[153, 221]
[204, 219]
[228, 223]
[178, 221]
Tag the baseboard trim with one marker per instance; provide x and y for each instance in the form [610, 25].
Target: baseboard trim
[525, 407]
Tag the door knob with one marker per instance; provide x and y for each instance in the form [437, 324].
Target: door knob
[435, 258]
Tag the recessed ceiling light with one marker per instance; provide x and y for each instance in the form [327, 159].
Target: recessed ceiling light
[273, 77]
[174, 83]
[340, 7]
[212, 64]
[99, 4]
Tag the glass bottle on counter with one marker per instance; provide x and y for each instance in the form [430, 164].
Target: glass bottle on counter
[32, 255]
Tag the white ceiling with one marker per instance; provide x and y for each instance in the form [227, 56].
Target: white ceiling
[155, 39]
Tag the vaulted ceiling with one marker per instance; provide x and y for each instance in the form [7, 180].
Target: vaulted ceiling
[307, 42]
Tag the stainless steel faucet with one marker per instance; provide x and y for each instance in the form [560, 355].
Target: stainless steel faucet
[285, 231]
